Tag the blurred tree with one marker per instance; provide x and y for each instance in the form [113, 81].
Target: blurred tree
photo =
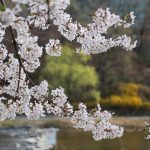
[72, 73]
[114, 67]
[129, 96]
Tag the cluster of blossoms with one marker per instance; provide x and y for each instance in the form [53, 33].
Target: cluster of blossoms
[53, 48]
[92, 38]
[97, 122]
[19, 95]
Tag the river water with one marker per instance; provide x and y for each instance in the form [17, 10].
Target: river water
[66, 139]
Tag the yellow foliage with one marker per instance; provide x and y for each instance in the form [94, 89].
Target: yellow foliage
[115, 100]
[146, 105]
[128, 96]
[129, 89]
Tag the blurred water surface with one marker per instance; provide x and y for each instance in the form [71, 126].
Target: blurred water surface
[66, 139]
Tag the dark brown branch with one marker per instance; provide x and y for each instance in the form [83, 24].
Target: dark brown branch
[17, 55]
[19, 59]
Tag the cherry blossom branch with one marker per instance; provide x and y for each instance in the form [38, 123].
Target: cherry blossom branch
[33, 100]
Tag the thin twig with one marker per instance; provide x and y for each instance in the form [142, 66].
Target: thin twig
[48, 4]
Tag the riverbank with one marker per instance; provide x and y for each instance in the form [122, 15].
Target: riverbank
[130, 123]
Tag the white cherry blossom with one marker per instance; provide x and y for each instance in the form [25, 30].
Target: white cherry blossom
[53, 48]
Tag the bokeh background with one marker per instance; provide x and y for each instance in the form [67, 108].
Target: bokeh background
[118, 79]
